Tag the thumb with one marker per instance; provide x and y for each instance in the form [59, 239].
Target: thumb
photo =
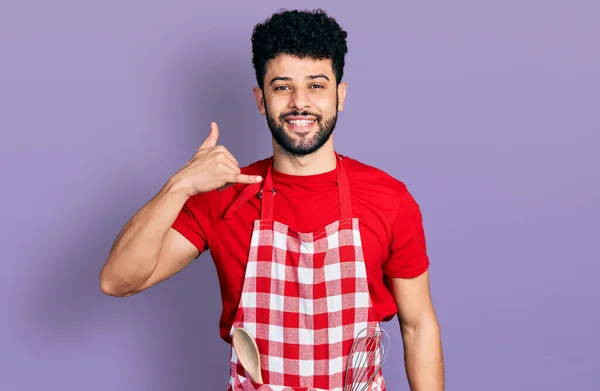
[213, 136]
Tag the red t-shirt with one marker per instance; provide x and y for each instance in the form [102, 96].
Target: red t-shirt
[390, 224]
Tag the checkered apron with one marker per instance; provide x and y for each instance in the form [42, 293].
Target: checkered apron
[304, 299]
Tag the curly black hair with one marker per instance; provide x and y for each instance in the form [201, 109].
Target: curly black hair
[311, 34]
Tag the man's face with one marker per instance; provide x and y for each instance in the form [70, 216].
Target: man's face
[300, 99]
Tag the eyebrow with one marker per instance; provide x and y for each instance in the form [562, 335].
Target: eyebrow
[309, 77]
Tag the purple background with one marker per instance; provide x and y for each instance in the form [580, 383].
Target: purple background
[489, 113]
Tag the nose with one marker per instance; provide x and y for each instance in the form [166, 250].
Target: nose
[299, 100]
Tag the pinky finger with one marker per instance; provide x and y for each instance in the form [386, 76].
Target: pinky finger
[242, 178]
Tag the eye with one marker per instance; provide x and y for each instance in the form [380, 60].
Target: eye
[280, 88]
[317, 86]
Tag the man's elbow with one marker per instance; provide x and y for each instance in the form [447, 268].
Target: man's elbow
[426, 322]
[110, 288]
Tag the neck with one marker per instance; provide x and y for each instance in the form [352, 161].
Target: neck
[318, 162]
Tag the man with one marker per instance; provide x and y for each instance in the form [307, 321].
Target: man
[310, 246]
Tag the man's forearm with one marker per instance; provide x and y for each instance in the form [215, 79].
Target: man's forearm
[134, 254]
[423, 357]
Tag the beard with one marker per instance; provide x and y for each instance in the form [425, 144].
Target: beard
[306, 145]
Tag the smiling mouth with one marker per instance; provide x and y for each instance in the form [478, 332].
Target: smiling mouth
[300, 122]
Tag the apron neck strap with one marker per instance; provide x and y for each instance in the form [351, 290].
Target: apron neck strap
[267, 192]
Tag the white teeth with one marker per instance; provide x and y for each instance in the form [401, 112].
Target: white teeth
[303, 122]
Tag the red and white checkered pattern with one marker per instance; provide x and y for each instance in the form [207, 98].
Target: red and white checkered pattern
[305, 298]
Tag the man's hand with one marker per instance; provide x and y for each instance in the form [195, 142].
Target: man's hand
[212, 167]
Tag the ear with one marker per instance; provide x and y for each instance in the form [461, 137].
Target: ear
[260, 100]
[341, 90]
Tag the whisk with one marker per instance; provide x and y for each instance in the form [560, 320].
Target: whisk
[369, 351]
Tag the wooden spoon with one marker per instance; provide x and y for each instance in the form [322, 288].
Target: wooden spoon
[247, 352]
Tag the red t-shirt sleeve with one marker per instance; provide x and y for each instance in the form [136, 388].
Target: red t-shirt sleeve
[196, 219]
[408, 253]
